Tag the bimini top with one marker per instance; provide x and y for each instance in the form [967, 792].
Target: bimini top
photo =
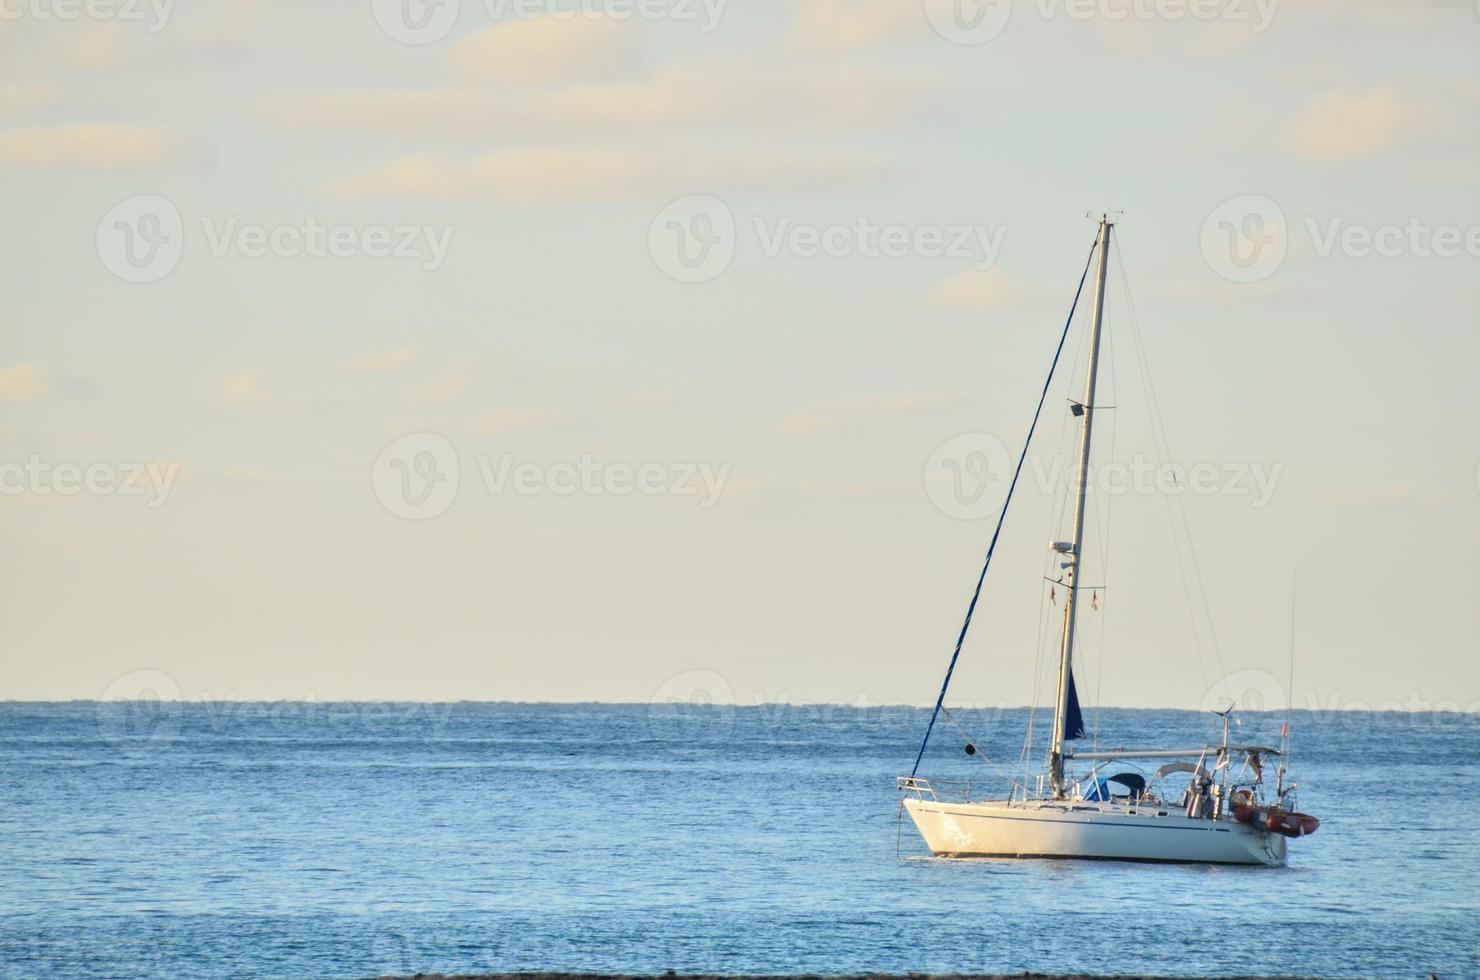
[1100, 792]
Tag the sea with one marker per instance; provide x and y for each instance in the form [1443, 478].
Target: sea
[235, 839]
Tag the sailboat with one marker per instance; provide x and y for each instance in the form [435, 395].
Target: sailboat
[1206, 803]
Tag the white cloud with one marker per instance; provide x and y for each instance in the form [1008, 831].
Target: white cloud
[672, 99]
[387, 360]
[649, 400]
[983, 291]
[22, 382]
[806, 424]
[844, 411]
[96, 146]
[216, 25]
[1351, 125]
[94, 45]
[248, 474]
[20, 98]
[504, 420]
[436, 390]
[546, 50]
[848, 24]
[558, 174]
[244, 388]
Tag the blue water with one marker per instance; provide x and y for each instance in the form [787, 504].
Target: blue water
[246, 840]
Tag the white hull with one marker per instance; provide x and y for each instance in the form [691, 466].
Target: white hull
[1075, 829]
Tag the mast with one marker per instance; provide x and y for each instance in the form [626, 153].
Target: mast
[1071, 601]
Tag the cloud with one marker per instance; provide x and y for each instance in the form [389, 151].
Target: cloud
[244, 388]
[546, 50]
[248, 474]
[1210, 292]
[22, 382]
[1363, 497]
[387, 360]
[649, 400]
[806, 424]
[97, 146]
[1352, 125]
[505, 420]
[983, 291]
[437, 390]
[845, 411]
[675, 98]
[560, 175]
[216, 25]
[21, 98]
[850, 24]
[94, 45]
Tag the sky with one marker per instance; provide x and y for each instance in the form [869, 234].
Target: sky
[642, 350]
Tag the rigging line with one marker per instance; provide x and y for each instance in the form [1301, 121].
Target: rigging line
[1001, 517]
[1163, 450]
[1151, 416]
[1290, 686]
[975, 743]
[1102, 530]
[1043, 618]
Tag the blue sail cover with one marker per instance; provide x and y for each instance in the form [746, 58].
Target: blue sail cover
[1073, 718]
